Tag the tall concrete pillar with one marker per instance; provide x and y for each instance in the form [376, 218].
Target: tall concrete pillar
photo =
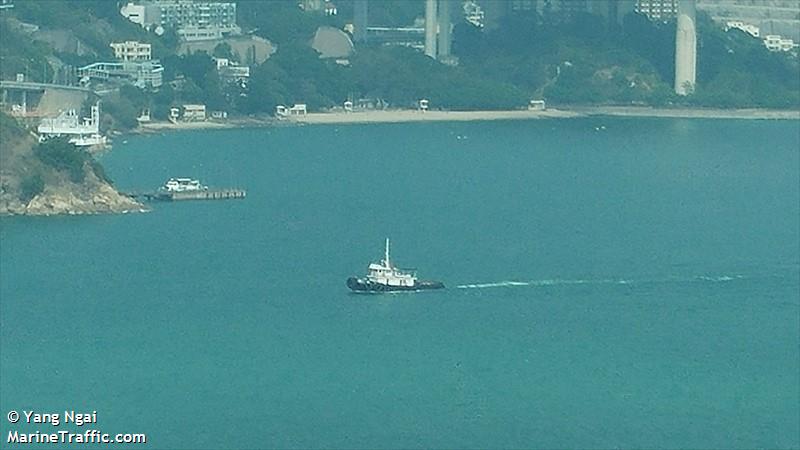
[445, 29]
[686, 48]
[360, 21]
[430, 28]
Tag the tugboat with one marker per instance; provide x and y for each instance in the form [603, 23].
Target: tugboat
[384, 277]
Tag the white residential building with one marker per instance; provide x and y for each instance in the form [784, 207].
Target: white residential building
[776, 43]
[132, 51]
[752, 30]
[473, 13]
[231, 71]
[192, 20]
[194, 113]
[82, 133]
[146, 14]
[135, 13]
[299, 109]
[661, 10]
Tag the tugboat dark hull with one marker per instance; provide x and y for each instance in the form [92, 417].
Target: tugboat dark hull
[360, 285]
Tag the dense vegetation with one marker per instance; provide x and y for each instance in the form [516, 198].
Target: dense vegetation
[27, 167]
[565, 60]
[735, 70]
[581, 61]
[65, 157]
[15, 163]
[576, 60]
[30, 187]
[10, 128]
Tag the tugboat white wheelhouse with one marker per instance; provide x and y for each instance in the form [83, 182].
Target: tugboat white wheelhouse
[384, 277]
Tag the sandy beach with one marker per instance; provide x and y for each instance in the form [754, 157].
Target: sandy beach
[398, 116]
[401, 116]
[561, 113]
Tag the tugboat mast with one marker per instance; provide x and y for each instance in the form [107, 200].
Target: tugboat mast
[387, 254]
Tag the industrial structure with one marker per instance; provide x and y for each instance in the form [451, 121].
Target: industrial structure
[360, 21]
[438, 29]
[445, 30]
[434, 38]
[686, 48]
[431, 27]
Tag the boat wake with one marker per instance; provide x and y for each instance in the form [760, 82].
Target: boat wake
[560, 282]
[719, 279]
[538, 283]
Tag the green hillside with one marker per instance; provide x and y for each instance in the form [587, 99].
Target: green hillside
[564, 61]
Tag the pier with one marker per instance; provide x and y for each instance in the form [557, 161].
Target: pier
[210, 194]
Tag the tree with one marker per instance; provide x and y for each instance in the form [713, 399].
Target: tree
[63, 156]
[223, 50]
[30, 187]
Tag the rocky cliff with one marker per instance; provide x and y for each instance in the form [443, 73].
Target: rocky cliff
[90, 197]
[56, 178]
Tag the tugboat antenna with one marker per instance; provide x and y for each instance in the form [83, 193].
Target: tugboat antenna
[387, 253]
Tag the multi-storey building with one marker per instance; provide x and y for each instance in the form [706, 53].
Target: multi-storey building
[143, 74]
[611, 11]
[192, 20]
[776, 43]
[132, 51]
[230, 71]
[663, 10]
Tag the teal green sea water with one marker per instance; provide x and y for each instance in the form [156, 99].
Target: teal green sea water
[612, 282]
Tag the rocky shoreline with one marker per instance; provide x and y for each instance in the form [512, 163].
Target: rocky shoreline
[94, 198]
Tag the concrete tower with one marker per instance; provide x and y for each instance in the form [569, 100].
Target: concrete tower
[360, 21]
[431, 26]
[445, 29]
[686, 48]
